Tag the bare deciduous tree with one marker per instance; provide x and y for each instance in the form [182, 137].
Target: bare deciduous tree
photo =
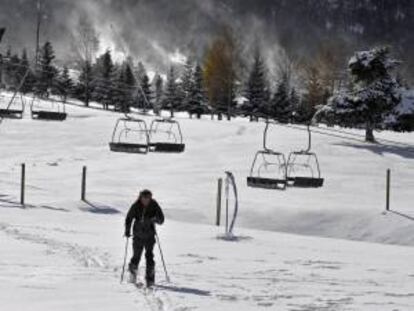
[85, 43]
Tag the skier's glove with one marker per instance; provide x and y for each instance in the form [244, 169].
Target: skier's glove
[127, 234]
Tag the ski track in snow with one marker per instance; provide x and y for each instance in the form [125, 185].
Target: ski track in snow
[87, 257]
[289, 283]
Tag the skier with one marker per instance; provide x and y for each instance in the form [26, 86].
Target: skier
[146, 213]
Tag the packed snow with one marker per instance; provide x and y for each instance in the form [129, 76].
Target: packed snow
[60, 253]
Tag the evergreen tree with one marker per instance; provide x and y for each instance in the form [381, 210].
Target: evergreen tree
[198, 103]
[314, 96]
[295, 103]
[144, 97]
[171, 100]
[130, 83]
[1, 70]
[187, 84]
[46, 71]
[281, 106]
[141, 71]
[256, 88]
[120, 92]
[26, 73]
[65, 84]
[180, 98]
[159, 92]
[84, 87]
[401, 119]
[124, 88]
[145, 94]
[14, 71]
[7, 69]
[103, 80]
[373, 96]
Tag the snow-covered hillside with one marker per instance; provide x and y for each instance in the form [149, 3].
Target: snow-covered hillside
[62, 254]
[349, 206]
[70, 260]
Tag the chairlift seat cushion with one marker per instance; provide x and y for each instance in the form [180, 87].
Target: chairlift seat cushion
[167, 147]
[11, 113]
[128, 148]
[266, 183]
[49, 115]
[307, 182]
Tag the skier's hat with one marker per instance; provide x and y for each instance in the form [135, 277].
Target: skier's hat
[145, 193]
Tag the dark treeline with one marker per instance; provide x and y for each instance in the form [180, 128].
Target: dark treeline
[117, 86]
[221, 84]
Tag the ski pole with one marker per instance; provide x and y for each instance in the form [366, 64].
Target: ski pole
[125, 259]
[162, 258]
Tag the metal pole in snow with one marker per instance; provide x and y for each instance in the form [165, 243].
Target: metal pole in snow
[22, 184]
[388, 190]
[83, 194]
[218, 212]
[227, 205]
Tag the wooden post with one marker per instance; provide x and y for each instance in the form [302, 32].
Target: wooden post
[388, 190]
[83, 195]
[219, 190]
[22, 184]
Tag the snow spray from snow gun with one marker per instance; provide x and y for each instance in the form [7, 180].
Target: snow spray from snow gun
[230, 181]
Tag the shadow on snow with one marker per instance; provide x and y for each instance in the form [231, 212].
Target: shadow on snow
[9, 203]
[97, 208]
[381, 149]
[184, 290]
[402, 215]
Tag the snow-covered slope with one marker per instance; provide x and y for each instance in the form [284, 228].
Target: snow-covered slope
[349, 206]
[60, 260]
[59, 253]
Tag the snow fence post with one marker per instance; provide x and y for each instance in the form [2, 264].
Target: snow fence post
[22, 183]
[218, 211]
[388, 190]
[83, 194]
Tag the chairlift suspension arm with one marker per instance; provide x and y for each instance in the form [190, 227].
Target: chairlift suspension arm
[309, 139]
[265, 136]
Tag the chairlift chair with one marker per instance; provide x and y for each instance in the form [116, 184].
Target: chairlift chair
[130, 136]
[15, 112]
[268, 170]
[303, 169]
[165, 135]
[56, 113]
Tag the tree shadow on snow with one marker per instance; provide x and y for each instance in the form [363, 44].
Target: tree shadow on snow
[380, 149]
[184, 290]
[97, 208]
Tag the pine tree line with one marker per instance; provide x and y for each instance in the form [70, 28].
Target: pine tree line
[207, 88]
[123, 86]
[115, 86]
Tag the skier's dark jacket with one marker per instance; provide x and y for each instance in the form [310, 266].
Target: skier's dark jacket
[145, 217]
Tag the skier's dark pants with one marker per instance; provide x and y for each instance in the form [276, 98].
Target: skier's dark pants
[138, 247]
